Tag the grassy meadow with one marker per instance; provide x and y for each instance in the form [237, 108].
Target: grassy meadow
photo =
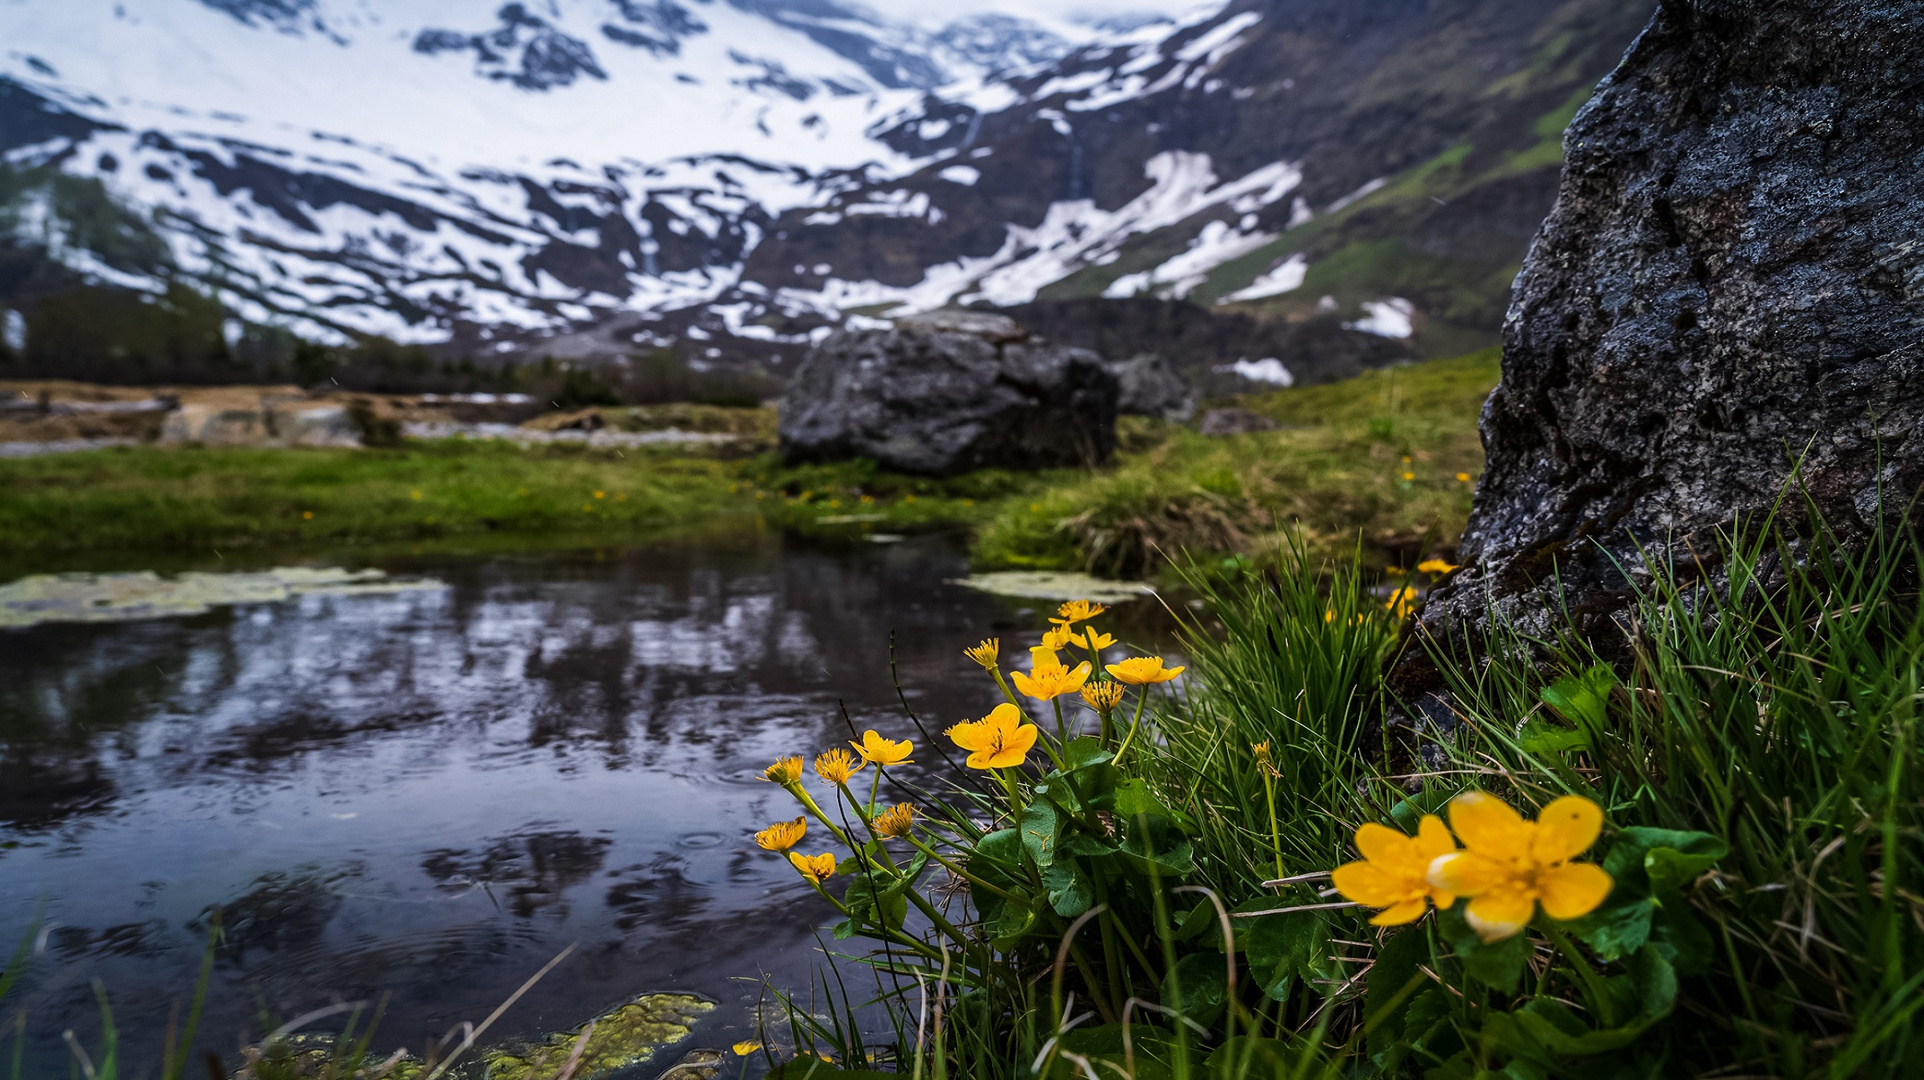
[1383, 457]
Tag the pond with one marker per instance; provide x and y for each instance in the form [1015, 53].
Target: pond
[429, 793]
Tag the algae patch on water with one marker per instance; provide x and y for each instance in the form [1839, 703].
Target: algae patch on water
[627, 1036]
[93, 598]
[1055, 585]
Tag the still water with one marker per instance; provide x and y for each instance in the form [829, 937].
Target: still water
[428, 794]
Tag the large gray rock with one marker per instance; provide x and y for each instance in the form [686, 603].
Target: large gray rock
[1151, 386]
[1732, 278]
[945, 396]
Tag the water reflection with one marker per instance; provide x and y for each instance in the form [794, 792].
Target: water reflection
[430, 793]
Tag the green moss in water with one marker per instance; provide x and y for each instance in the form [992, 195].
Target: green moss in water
[626, 1036]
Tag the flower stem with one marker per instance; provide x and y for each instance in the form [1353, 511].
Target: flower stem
[1275, 836]
[1135, 725]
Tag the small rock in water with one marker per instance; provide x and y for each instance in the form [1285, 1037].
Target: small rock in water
[1055, 585]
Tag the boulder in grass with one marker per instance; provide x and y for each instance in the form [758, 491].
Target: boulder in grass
[1151, 386]
[946, 394]
[1730, 288]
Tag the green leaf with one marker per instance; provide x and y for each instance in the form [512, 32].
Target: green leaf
[1628, 861]
[1154, 845]
[1283, 949]
[1196, 921]
[1015, 918]
[1084, 752]
[1134, 798]
[1543, 1027]
[1087, 780]
[1039, 828]
[1683, 939]
[1396, 964]
[1583, 699]
[1081, 844]
[1408, 812]
[1670, 869]
[1002, 849]
[1070, 891]
[1498, 964]
[1197, 987]
[1542, 737]
[1615, 930]
[1154, 1050]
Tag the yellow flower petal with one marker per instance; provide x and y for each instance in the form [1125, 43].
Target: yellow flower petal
[1381, 844]
[1433, 838]
[1566, 828]
[1500, 914]
[1369, 885]
[1406, 912]
[1467, 873]
[1143, 671]
[998, 740]
[877, 750]
[1488, 825]
[1573, 891]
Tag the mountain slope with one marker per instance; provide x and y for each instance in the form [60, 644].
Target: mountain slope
[595, 178]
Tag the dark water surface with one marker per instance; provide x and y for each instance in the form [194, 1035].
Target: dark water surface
[430, 794]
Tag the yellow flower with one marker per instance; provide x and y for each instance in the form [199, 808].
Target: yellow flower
[879, 751]
[1046, 681]
[1463, 477]
[1511, 865]
[837, 766]
[1092, 638]
[307, 515]
[601, 494]
[1435, 566]
[1056, 638]
[1102, 696]
[415, 494]
[1268, 764]
[1409, 476]
[1075, 611]
[895, 821]
[782, 835]
[1143, 671]
[998, 740]
[1401, 602]
[816, 868]
[1394, 871]
[743, 1049]
[785, 771]
[986, 654]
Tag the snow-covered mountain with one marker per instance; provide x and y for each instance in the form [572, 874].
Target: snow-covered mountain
[728, 178]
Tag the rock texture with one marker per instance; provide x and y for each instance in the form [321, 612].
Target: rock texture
[1151, 386]
[1732, 279]
[946, 393]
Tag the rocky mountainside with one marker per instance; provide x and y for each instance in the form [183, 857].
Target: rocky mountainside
[727, 180]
